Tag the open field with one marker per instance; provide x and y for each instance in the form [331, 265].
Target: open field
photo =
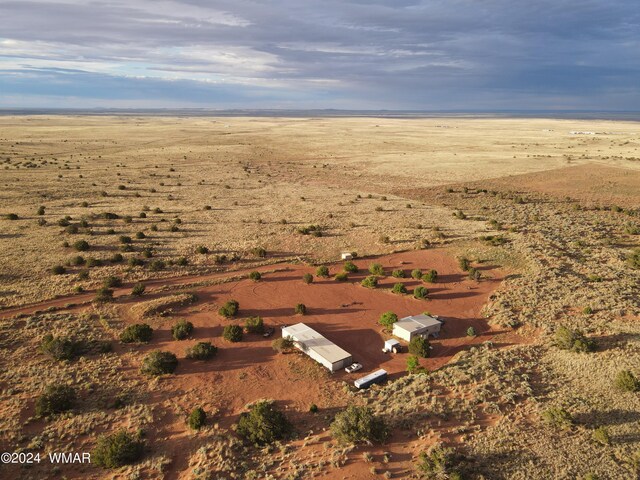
[191, 206]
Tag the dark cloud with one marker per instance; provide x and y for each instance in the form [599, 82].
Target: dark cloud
[430, 54]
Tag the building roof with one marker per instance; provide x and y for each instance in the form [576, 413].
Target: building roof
[309, 339]
[413, 323]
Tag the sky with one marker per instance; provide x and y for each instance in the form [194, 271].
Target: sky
[343, 54]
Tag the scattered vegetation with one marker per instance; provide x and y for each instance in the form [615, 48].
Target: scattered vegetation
[55, 399]
[263, 423]
[420, 346]
[229, 309]
[137, 333]
[358, 424]
[573, 340]
[182, 330]
[232, 333]
[159, 363]
[202, 351]
[118, 449]
[370, 282]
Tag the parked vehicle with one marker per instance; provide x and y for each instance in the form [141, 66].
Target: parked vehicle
[354, 367]
[268, 332]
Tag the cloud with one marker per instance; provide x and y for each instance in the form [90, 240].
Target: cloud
[402, 54]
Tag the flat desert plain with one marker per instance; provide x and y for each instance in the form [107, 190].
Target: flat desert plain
[531, 225]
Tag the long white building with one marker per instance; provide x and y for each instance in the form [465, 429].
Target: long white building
[318, 347]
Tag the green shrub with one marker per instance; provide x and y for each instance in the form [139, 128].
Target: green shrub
[202, 351]
[81, 245]
[229, 309]
[387, 319]
[376, 269]
[420, 346]
[118, 449]
[474, 274]
[41, 210]
[430, 277]
[341, 277]
[259, 252]
[11, 216]
[77, 261]
[399, 288]
[197, 418]
[573, 341]
[350, 267]
[60, 348]
[413, 364]
[416, 274]
[201, 249]
[255, 276]
[263, 423]
[307, 278]
[322, 271]
[55, 399]
[104, 295]
[471, 332]
[313, 408]
[398, 273]
[159, 363]
[232, 333]
[587, 310]
[282, 345]
[300, 309]
[138, 289]
[140, 235]
[420, 292]
[137, 333]
[112, 282]
[633, 258]
[157, 265]
[558, 418]
[627, 381]
[182, 330]
[438, 462]
[58, 270]
[254, 325]
[358, 424]
[464, 264]
[370, 282]
[601, 435]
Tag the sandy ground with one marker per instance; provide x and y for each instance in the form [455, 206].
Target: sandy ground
[375, 186]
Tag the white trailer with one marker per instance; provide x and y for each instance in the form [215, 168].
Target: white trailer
[318, 347]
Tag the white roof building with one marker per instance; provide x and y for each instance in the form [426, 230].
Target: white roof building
[416, 325]
[346, 256]
[318, 347]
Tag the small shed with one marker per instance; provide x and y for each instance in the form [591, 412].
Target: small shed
[346, 256]
[392, 345]
[416, 325]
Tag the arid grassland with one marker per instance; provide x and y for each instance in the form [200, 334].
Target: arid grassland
[125, 241]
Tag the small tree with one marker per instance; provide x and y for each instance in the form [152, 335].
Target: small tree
[81, 245]
[104, 295]
[627, 381]
[255, 276]
[420, 292]
[182, 330]
[387, 319]
[60, 348]
[197, 418]
[430, 277]
[358, 424]
[376, 269]
[263, 423]
[158, 363]
[420, 346]
[232, 333]
[350, 267]
[322, 271]
[116, 450]
[202, 250]
[398, 273]
[573, 340]
[202, 351]
[416, 274]
[138, 332]
[399, 288]
[138, 289]
[413, 363]
[341, 277]
[300, 309]
[370, 282]
[55, 399]
[601, 435]
[112, 282]
[283, 345]
[58, 270]
[229, 309]
[254, 325]
[307, 278]
[471, 332]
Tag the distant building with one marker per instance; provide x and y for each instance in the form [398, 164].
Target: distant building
[346, 256]
[416, 325]
[318, 347]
